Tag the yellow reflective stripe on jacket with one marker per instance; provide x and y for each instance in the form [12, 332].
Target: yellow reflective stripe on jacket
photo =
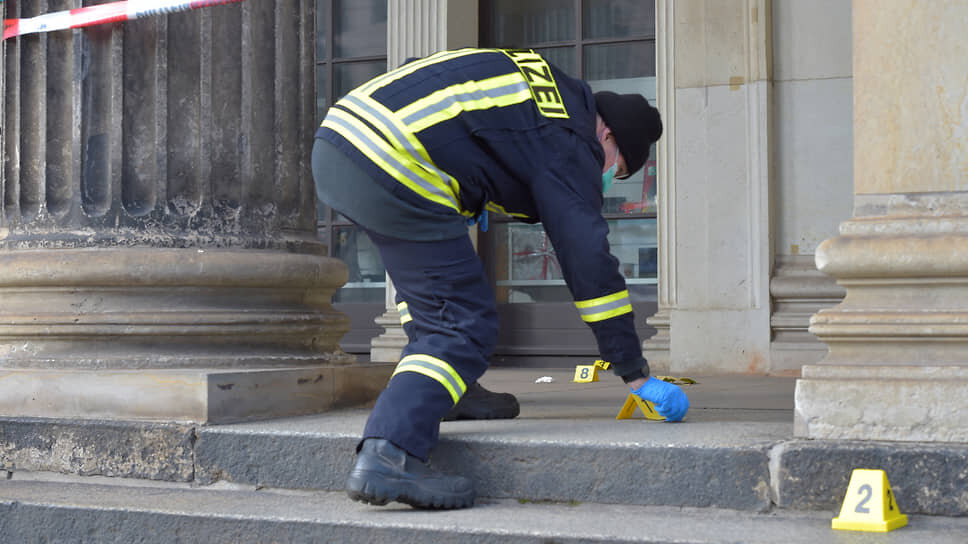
[497, 208]
[393, 162]
[410, 151]
[601, 308]
[447, 103]
[404, 313]
[389, 140]
[435, 369]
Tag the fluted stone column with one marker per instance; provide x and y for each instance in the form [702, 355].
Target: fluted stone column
[417, 28]
[656, 349]
[158, 256]
[897, 367]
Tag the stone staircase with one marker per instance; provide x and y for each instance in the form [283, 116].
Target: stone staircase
[565, 471]
[60, 512]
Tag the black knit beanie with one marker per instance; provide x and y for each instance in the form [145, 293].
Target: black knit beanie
[635, 123]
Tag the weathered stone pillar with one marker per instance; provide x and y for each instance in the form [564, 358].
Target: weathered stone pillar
[897, 367]
[158, 256]
[715, 94]
[417, 28]
[657, 349]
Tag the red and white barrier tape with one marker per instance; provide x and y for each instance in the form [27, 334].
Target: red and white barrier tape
[100, 14]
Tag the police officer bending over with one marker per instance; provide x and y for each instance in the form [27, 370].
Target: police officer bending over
[413, 156]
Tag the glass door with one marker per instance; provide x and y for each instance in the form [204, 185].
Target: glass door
[611, 45]
[351, 48]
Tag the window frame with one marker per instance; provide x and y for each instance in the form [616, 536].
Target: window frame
[578, 43]
[328, 222]
[362, 314]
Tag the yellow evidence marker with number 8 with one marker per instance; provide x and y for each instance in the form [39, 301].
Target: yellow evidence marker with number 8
[589, 373]
[586, 374]
[869, 504]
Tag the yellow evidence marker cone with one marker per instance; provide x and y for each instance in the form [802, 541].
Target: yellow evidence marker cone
[633, 401]
[589, 373]
[586, 374]
[869, 504]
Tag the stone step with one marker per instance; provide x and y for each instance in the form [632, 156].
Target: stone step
[747, 465]
[736, 450]
[634, 462]
[32, 511]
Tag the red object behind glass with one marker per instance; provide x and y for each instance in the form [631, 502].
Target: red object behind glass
[647, 183]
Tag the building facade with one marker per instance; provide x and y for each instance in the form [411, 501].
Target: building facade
[775, 236]
[717, 234]
[803, 215]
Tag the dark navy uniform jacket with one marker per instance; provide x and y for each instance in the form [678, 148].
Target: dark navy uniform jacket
[464, 131]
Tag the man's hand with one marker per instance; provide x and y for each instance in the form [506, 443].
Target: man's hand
[669, 399]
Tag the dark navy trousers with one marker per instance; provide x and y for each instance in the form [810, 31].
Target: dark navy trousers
[452, 332]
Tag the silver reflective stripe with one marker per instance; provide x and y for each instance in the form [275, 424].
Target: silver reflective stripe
[436, 370]
[390, 159]
[614, 305]
[450, 100]
[402, 139]
[404, 313]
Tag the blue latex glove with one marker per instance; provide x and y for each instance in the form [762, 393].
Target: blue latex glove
[669, 399]
[481, 219]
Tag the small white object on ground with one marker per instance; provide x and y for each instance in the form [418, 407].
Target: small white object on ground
[544, 379]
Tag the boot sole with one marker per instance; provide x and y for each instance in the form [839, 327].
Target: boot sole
[460, 416]
[478, 413]
[378, 490]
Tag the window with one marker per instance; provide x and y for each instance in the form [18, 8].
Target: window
[611, 45]
[351, 47]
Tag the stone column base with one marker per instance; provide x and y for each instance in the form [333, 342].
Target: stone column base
[798, 291]
[387, 347]
[188, 395]
[897, 368]
[177, 334]
[909, 403]
[125, 308]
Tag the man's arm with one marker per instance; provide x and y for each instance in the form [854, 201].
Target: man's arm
[569, 200]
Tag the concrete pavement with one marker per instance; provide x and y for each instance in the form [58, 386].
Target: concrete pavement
[715, 398]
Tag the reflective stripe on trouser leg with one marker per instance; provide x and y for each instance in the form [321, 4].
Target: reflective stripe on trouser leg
[436, 369]
[607, 307]
[404, 312]
[452, 331]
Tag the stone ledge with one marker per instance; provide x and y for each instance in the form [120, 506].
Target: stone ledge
[920, 254]
[925, 478]
[188, 395]
[703, 467]
[156, 308]
[148, 451]
[906, 403]
[59, 512]
[648, 475]
[271, 460]
[950, 205]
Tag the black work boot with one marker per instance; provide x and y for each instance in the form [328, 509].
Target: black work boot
[479, 403]
[385, 473]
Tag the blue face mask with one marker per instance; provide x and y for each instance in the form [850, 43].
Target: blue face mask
[608, 177]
